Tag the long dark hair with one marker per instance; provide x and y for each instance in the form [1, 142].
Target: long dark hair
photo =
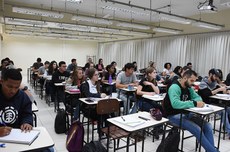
[74, 76]
[91, 72]
[51, 70]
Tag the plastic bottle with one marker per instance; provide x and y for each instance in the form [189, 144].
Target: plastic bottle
[110, 79]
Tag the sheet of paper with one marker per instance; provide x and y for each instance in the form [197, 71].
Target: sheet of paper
[17, 136]
[129, 122]
[206, 108]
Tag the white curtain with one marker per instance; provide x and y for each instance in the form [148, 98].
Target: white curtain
[205, 51]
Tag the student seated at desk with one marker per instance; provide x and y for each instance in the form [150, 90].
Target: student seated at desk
[124, 79]
[148, 86]
[58, 77]
[100, 67]
[108, 88]
[209, 86]
[48, 75]
[74, 82]
[15, 106]
[181, 96]
[91, 88]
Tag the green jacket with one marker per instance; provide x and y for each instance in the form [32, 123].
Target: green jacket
[179, 98]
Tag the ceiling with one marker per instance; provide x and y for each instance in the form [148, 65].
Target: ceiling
[108, 20]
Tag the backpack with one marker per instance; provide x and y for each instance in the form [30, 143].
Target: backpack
[94, 146]
[60, 122]
[75, 137]
[171, 142]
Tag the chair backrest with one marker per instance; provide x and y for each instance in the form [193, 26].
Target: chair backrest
[108, 106]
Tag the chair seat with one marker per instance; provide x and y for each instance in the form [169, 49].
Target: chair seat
[115, 132]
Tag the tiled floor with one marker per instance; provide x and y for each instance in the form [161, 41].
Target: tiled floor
[46, 116]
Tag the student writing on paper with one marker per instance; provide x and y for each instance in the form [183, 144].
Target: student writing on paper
[209, 86]
[181, 96]
[15, 106]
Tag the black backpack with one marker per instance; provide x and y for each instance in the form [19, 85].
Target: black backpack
[171, 142]
[94, 146]
[60, 122]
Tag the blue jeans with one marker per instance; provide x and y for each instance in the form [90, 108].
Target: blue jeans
[227, 124]
[123, 97]
[147, 104]
[207, 134]
[77, 110]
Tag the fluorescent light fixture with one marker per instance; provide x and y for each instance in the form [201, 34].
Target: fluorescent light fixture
[73, 27]
[207, 25]
[175, 19]
[24, 22]
[166, 30]
[137, 26]
[37, 12]
[92, 20]
[123, 10]
[75, 1]
[104, 30]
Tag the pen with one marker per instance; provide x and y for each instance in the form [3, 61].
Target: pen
[2, 145]
[143, 118]
[122, 118]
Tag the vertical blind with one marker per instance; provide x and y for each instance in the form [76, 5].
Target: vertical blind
[205, 51]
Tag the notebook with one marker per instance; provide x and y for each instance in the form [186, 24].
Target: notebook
[129, 122]
[17, 136]
[206, 108]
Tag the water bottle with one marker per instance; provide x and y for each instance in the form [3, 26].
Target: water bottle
[110, 79]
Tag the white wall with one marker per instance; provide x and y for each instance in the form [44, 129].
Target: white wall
[25, 50]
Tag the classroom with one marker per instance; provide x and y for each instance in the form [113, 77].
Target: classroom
[146, 68]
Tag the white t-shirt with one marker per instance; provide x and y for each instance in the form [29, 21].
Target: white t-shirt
[92, 88]
[167, 71]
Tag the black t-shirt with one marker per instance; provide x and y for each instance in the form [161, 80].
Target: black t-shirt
[59, 77]
[147, 88]
[106, 75]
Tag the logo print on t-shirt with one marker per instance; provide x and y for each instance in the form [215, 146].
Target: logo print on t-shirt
[9, 115]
